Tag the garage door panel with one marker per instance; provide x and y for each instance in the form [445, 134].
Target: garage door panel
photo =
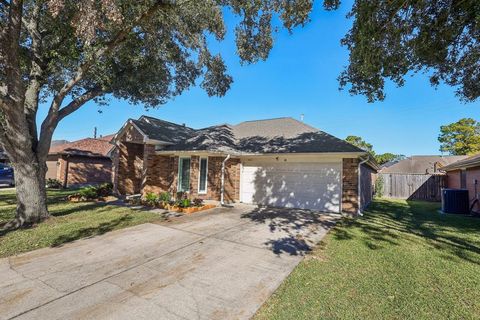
[297, 185]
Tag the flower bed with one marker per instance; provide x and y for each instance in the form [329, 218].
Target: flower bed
[189, 210]
[180, 204]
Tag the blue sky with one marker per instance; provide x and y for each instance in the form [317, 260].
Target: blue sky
[300, 77]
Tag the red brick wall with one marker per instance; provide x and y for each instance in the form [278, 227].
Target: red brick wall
[159, 174]
[453, 179]
[162, 175]
[350, 186]
[130, 168]
[472, 175]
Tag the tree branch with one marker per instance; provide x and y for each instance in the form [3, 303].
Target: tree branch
[109, 46]
[52, 120]
[78, 102]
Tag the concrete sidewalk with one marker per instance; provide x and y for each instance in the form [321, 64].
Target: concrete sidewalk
[220, 264]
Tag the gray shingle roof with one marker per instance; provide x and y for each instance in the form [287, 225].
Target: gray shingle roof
[421, 164]
[161, 130]
[280, 135]
[466, 162]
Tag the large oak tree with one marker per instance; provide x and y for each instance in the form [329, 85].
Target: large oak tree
[391, 39]
[68, 52]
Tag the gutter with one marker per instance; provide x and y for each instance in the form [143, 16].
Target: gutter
[222, 202]
[359, 195]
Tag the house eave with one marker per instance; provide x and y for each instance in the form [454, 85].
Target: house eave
[256, 154]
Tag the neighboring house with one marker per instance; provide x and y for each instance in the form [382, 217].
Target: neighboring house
[465, 174]
[276, 162]
[421, 164]
[82, 162]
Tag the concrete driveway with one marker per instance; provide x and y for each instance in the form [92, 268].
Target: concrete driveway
[219, 264]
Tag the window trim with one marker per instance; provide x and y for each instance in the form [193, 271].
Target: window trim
[180, 160]
[199, 175]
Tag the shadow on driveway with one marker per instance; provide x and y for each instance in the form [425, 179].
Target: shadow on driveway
[296, 230]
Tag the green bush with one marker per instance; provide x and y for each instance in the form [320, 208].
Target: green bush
[53, 184]
[184, 203]
[88, 193]
[151, 199]
[104, 189]
[164, 197]
[379, 186]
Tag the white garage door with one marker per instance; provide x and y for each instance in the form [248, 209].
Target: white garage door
[293, 185]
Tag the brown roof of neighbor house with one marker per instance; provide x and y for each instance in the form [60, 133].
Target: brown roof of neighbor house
[468, 162]
[422, 164]
[85, 147]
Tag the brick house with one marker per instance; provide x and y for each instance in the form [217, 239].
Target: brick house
[276, 162]
[465, 174]
[82, 162]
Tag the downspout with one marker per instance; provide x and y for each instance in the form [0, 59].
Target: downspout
[359, 195]
[222, 189]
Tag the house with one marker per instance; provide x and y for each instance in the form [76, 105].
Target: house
[82, 162]
[421, 164]
[465, 174]
[276, 162]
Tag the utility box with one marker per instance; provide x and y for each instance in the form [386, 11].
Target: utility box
[455, 201]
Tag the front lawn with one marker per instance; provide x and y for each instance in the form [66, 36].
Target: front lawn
[402, 260]
[69, 221]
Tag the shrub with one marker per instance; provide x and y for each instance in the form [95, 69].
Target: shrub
[379, 186]
[164, 197]
[197, 202]
[88, 193]
[104, 189]
[184, 203]
[53, 184]
[151, 199]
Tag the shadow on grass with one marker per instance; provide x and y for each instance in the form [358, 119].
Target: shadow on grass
[294, 223]
[91, 231]
[388, 223]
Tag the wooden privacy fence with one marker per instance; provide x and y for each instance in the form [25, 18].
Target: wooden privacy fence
[413, 186]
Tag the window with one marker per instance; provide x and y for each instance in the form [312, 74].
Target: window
[183, 174]
[202, 179]
[463, 179]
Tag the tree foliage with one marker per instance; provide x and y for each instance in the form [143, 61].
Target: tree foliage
[390, 39]
[359, 142]
[379, 158]
[461, 137]
[388, 157]
[66, 53]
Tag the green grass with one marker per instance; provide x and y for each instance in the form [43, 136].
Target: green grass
[68, 222]
[402, 260]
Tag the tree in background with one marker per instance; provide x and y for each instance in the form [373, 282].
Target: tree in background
[390, 39]
[359, 142]
[461, 137]
[388, 157]
[66, 53]
[380, 158]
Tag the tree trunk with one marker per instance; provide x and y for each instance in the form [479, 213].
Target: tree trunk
[31, 194]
